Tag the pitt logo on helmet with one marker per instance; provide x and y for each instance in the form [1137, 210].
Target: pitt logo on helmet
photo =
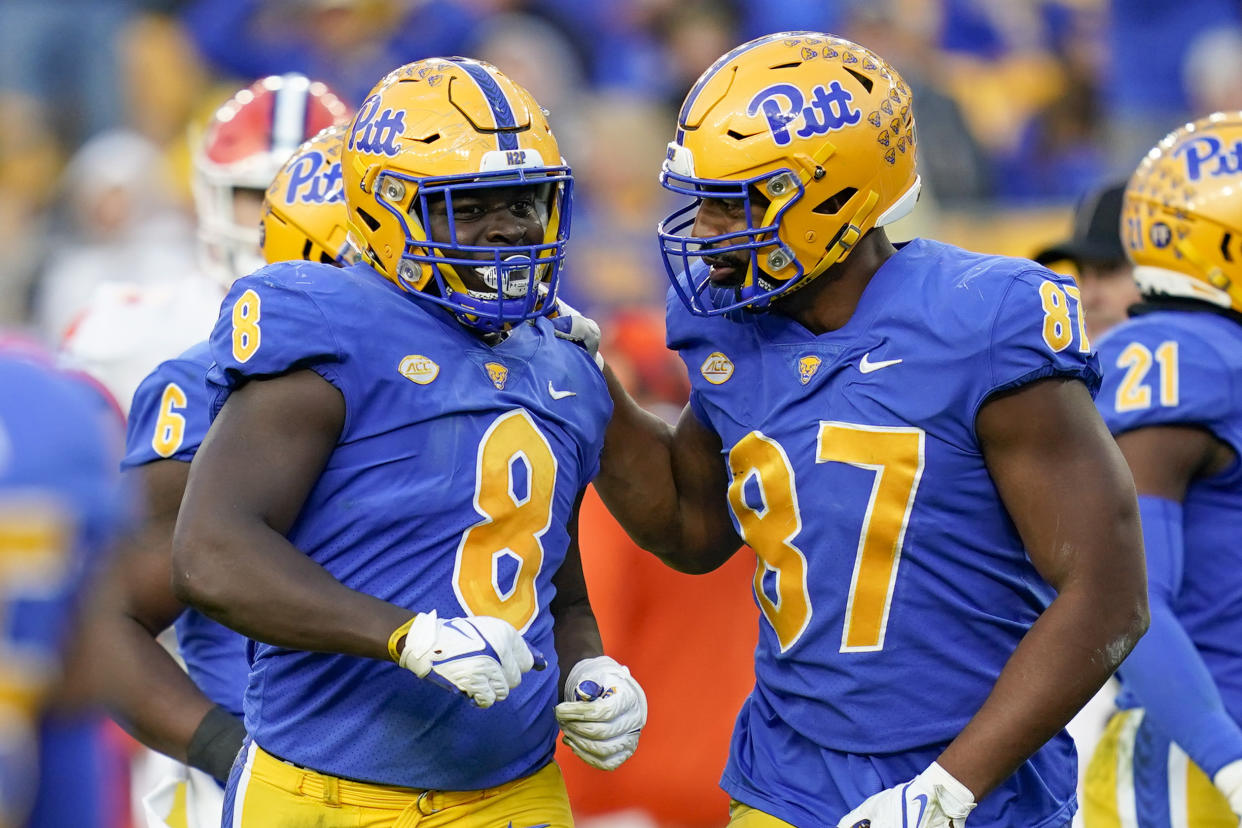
[376, 132]
[829, 109]
[314, 180]
[1200, 151]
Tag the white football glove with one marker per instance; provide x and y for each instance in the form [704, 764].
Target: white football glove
[572, 325]
[603, 713]
[1228, 781]
[480, 656]
[933, 799]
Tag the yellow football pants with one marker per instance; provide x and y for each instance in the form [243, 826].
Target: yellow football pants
[744, 816]
[1139, 779]
[276, 794]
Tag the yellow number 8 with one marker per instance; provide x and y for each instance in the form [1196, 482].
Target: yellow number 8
[245, 326]
[511, 524]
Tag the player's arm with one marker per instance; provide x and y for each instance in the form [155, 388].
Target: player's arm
[146, 690]
[666, 485]
[1066, 487]
[249, 480]
[1164, 460]
[231, 559]
[604, 708]
[574, 626]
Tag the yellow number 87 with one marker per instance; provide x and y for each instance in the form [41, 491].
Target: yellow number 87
[245, 326]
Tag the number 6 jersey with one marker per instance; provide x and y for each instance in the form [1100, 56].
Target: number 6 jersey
[892, 583]
[450, 488]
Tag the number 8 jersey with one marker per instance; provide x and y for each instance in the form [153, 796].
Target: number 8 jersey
[892, 583]
[450, 488]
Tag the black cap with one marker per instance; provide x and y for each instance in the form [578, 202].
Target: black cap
[1097, 230]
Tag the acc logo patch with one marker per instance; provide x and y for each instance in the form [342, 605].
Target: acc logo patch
[497, 373]
[717, 368]
[418, 368]
[807, 367]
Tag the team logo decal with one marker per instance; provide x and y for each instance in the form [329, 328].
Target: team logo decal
[418, 369]
[1203, 151]
[807, 367]
[784, 105]
[497, 373]
[376, 132]
[315, 180]
[717, 368]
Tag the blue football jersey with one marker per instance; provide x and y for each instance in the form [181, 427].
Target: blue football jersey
[1177, 367]
[168, 420]
[450, 489]
[61, 502]
[892, 583]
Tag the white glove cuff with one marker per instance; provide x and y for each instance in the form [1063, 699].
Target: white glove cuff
[1228, 780]
[415, 655]
[955, 799]
[586, 668]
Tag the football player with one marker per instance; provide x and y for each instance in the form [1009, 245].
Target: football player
[128, 329]
[1171, 396]
[60, 504]
[949, 559]
[391, 484]
[195, 718]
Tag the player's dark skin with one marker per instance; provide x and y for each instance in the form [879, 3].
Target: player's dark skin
[256, 467]
[147, 692]
[1059, 473]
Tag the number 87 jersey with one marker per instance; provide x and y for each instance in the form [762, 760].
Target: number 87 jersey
[892, 582]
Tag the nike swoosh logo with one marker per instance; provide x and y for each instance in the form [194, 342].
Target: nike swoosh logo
[559, 395]
[866, 366]
[922, 800]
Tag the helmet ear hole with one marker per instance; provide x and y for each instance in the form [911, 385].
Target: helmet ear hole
[833, 204]
[368, 219]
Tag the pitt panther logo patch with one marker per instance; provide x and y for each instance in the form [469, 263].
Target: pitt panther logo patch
[418, 369]
[497, 373]
[717, 368]
[377, 132]
[784, 106]
[314, 180]
[807, 368]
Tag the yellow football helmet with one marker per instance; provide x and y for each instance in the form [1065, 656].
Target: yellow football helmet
[448, 125]
[823, 128]
[304, 209]
[1181, 217]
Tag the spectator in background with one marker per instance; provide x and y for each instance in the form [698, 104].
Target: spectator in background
[121, 224]
[346, 43]
[955, 168]
[1212, 71]
[1148, 40]
[1105, 275]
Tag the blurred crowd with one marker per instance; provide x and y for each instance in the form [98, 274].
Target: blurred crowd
[1021, 105]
